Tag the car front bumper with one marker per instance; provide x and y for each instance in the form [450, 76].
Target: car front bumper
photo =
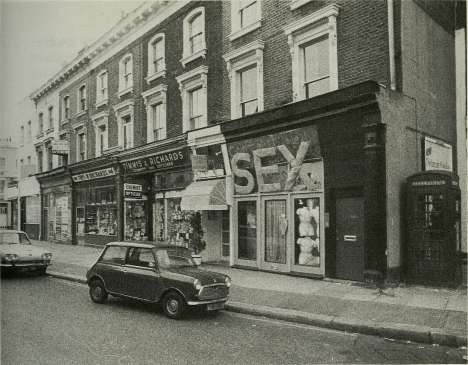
[25, 264]
[204, 302]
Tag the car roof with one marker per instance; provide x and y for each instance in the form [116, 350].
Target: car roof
[10, 231]
[146, 244]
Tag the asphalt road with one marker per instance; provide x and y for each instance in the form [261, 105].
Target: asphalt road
[51, 321]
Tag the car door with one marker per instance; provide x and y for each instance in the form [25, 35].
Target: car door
[141, 277]
[111, 268]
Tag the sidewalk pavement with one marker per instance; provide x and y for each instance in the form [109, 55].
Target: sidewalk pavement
[419, 314]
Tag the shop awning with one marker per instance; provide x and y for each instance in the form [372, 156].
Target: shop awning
[205, 195]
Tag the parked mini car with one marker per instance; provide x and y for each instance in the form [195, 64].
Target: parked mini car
[156, 273]
[18, 254]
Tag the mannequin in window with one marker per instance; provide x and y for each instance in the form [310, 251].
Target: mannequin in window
[305, 220]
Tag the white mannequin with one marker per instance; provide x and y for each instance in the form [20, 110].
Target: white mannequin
[305, 225]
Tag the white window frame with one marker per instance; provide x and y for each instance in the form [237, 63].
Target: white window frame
[99, 120]
[295, 4]
[79, 110]
[187, 55]
[50, 117]
[100, 98]
[65, 101]
[156, 95]
[238, 60]
[189, 81]
[236, 30]
[124, 89]
[122, 110]
[152, 75]
[80, 129]
[306, 30]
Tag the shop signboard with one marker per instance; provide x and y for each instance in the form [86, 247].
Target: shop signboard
[133, 191]
[97, 174]
[160, 161]
[437, 155]
[60, 147]
[288, 161]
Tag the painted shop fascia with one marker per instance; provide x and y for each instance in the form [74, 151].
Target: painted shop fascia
[297, 172]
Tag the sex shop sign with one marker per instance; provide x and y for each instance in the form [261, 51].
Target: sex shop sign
[281, 162]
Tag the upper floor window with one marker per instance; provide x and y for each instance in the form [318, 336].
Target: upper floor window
[51, 117]
[101, 88]
[126, 74]
[245, 67]
[81, 145]
[63, 159]
[245, 17]
[193, 89]
[125, 116]
[82, 98]
[40, 161]
[194, 36]
[29, 160]
[155, 100]
[29, 131]
[49, 157]
[101, 121]
[156, 57]
[41, 122]
[22, 135]
[66, 107]
[313, 49]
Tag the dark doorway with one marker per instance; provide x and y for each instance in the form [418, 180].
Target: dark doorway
[350, 238]
[23, 214]
[45, 222]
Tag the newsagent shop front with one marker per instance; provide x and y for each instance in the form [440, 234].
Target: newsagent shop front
[309, 190]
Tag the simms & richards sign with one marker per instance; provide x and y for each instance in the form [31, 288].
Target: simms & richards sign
[155, 162]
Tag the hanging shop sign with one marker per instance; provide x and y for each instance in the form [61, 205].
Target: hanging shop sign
[437, 155]
[97, 174]
[156, 162]
[133, 191]
[60, 147]
[288, 161]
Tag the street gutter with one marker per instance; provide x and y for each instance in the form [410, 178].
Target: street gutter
[420, 334]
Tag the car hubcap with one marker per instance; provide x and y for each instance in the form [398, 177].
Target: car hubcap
[172, 306]
[97, 292]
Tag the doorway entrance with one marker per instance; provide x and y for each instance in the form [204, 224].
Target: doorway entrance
[350, 238]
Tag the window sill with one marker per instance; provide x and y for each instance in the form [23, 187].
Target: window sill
[65, 121]
[48, 131]
[126, 91]
[101, 102]
[83, 112]
[193, 57]
[155, 76]
[295, 4]
[246, 30]
[40, 135]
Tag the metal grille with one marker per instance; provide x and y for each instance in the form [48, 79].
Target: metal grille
[214, 292]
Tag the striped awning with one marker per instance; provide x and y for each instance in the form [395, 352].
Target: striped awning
[205, 195]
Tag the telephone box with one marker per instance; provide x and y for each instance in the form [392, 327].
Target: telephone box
[433, 228]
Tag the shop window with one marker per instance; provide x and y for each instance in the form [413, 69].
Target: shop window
[193, 90]
[178, 225]
[245, 69]
[307, 231]
[100, 211]
[247, 230]
[313, 49]
[275, 231]
[160, 220]
[136, 227]
[194, 43]
[245, 17]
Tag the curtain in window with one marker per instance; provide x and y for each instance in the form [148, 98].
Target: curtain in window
[275, 236]
[317, 67]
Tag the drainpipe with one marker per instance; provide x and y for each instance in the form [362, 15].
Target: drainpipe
[391, 44]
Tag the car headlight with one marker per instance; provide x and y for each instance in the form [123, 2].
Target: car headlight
[197, 284]
[47, 256]
[227, 281]
[11, 257]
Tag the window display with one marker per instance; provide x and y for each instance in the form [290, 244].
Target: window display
[307, 231]
[136, 227]
[160, 220]
[247, 225]
[96, 211]
[178, 228]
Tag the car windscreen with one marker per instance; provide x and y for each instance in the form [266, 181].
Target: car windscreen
[14, 238]
[173, 258]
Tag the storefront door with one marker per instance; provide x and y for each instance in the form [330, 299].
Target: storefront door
[246, 233]
[274, 247]
[350, 239]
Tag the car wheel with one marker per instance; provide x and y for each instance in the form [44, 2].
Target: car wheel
[97, 292]
[173, 305]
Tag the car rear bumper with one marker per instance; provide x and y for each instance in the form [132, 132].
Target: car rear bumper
[204, 302]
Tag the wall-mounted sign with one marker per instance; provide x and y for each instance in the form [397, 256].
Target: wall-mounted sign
[293, 163]
[437, 155]
[132, 194]
[60, 147]
[98, 174]
[156, 162]
[133, 187]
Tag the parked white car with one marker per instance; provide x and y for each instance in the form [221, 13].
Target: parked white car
[18, 254]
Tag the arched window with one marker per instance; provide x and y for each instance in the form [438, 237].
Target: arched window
[194, 36]
[156, 57]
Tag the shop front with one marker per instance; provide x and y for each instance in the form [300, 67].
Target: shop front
[95, 205]
[56, 196]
